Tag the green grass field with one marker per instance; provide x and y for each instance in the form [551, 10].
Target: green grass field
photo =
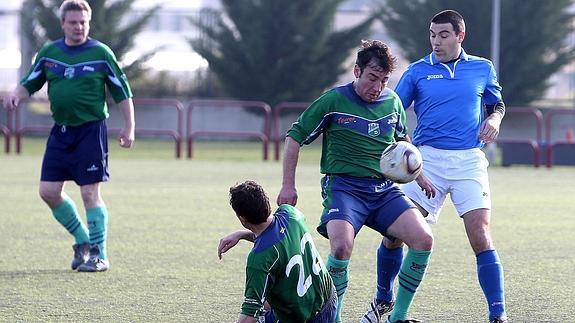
[167, 216]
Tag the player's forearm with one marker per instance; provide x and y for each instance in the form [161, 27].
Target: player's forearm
[499, 108]
[12, 100]
[291, 155]
[246, 235]
[21, 92]
[127, 107]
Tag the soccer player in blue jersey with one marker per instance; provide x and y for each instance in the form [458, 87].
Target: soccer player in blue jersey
[358, 121]
[284, 268]
[449, 90]
[78, 69]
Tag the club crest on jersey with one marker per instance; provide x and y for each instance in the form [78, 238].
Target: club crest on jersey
[373, 129]
[69, 72]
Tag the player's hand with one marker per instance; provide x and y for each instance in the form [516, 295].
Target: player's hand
[490, 128]
[126, 138]
[227, 243]
[11, 101]
[287, 195]
[425, 185]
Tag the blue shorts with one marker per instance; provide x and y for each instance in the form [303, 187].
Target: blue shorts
[77, 153]
[375, 203]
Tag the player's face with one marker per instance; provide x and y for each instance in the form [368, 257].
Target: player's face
[369, 83]
[75, 25]
[445, 43]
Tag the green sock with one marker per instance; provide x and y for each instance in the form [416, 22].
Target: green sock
[98, 225]
[410, 276]
[67, 214]
[340, 276]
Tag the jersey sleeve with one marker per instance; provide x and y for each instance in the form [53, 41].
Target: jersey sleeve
[405, 88]
[492, 93]
[401, 129]
[258, 283]
[116, 80]
[36, 77]
[312, 122]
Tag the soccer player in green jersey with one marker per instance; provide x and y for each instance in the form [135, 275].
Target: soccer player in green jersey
[358, 121]
[284, 268]
[78, 69]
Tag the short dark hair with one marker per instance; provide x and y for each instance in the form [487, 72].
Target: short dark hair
[378, 51]
[249, 200]
[75, 5]
[452, 17]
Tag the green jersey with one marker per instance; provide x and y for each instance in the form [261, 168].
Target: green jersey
[355, 132]
[77, 76]
[284, 268]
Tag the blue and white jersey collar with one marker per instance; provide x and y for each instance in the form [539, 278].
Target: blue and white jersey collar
[432, 59]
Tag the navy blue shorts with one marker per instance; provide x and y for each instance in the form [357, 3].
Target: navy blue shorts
[375, 203]
[77, 153]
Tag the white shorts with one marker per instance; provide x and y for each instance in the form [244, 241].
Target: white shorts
[460, 173]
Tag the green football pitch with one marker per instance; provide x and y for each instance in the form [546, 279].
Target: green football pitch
[167, 216]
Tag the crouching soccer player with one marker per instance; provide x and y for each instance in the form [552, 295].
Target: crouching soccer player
[284, 268]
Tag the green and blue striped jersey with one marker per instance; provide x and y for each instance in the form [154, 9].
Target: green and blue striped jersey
[284, 268]
[77, 77]
[355, 132]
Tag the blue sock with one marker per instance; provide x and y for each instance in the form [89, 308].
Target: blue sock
[388, 264]
[67, 214]
[490, 275]
[98, 225]
[340, 276]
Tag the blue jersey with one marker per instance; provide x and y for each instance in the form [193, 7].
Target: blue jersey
[448, 99]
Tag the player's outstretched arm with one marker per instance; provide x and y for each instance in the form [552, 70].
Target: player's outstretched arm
[12, 100]
[232, 239]
[288, 192]
[127, 134]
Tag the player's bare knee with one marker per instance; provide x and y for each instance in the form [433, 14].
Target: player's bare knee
[50, 197]
[427, 242]
[342, 249]
[423, 242]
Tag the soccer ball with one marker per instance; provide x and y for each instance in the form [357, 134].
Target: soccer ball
[401, 162]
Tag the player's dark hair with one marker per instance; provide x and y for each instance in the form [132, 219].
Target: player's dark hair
[452, 17]
[377, 51]
[249, 200]
[74, 5]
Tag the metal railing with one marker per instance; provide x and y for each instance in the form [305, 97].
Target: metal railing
[533, 143]
[551, 144]
[279, 134]
[263, 136]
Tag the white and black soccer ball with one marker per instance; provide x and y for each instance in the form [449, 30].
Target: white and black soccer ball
[401, 162]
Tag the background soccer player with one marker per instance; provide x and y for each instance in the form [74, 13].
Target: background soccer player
[449, 88]
[284, 267]
[77, 70]
[358, 121]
